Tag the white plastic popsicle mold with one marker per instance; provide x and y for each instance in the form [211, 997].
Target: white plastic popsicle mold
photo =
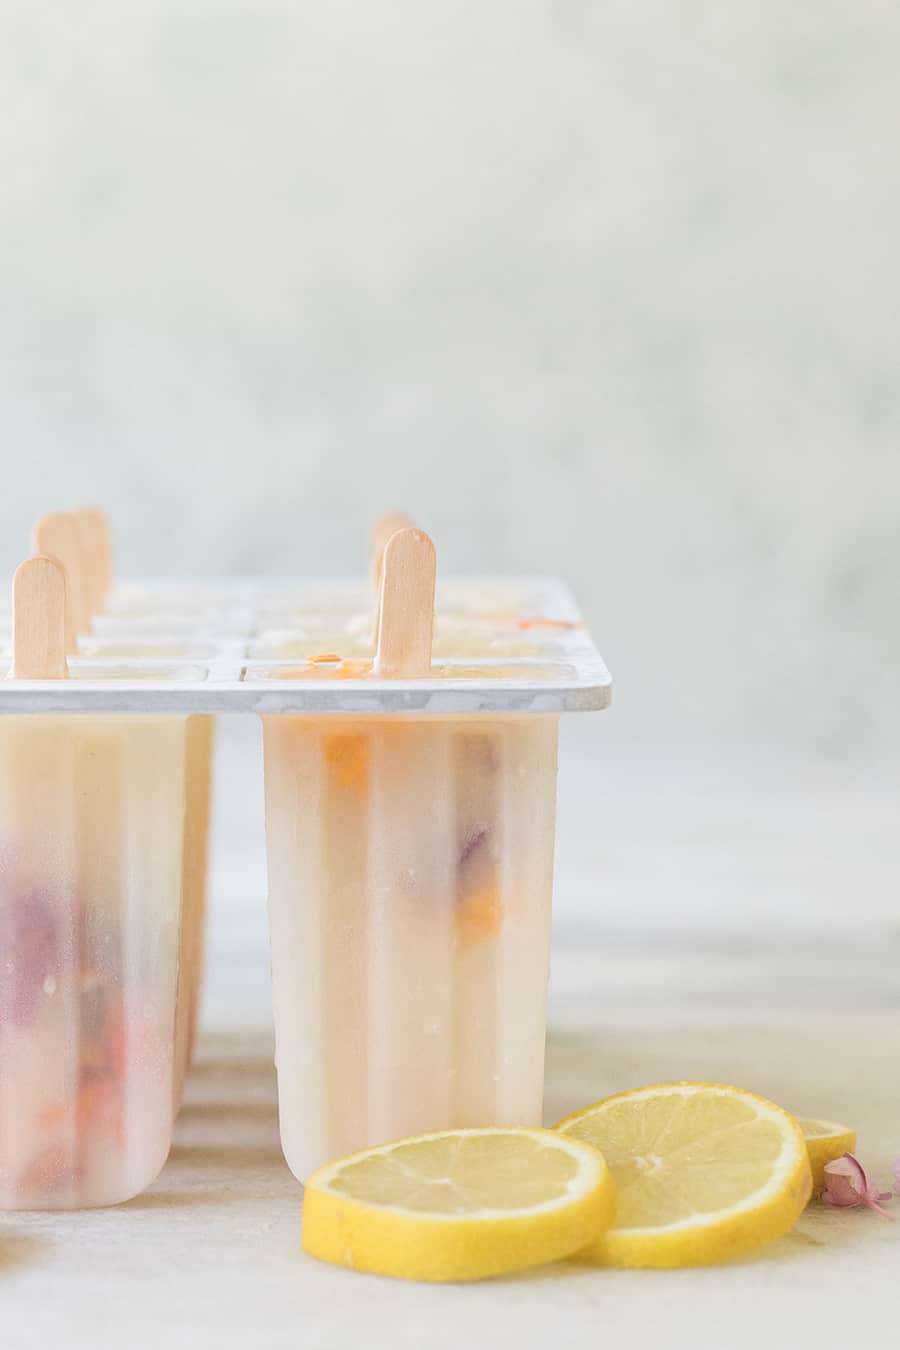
[183, 646]
[427, 813]
[92, 824]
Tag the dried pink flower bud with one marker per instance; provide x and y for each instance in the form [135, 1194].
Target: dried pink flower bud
[847, 1186]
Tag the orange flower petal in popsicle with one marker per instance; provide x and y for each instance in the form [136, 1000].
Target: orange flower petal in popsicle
[347, 757]
[480, 915]
[564, 625]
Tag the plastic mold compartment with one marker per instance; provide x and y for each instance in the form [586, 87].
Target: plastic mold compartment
[307, 647]
[410, 832]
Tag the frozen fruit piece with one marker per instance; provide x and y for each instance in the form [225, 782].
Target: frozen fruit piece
[100, 1107]
[342, 669]
[566, 625]
[480, 914]
[47, 1173]
[29, 943]
[52, 1114]
[347, 757]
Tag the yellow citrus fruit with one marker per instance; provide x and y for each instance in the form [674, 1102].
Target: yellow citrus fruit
[825, 1141]
[703, 1172]
[459, 1205]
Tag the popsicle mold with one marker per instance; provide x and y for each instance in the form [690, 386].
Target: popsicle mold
[410, 873]
[198, 786]
[92, 811]
[410, 826]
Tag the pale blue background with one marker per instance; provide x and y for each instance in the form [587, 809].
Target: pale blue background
[603, 289]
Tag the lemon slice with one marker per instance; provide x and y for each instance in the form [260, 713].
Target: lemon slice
[825, 1141]
[703, 1172]
[458, 1205]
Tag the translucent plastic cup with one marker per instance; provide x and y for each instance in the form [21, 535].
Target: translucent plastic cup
[198, 775]
[91, 835]
[410, 873]
[199, 738]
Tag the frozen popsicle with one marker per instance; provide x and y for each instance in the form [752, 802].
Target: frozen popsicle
[94, 535]
[198, 785]
[92, 809]
[410, 865]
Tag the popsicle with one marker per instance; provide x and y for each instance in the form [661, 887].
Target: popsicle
[92, 809]
[91, 534]
[198, 784]
[410, 867]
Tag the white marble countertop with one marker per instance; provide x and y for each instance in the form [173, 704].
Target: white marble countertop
[715, 918]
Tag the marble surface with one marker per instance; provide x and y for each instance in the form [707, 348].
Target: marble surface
[715, 918]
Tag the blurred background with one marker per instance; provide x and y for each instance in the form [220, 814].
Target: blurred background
[608, 290]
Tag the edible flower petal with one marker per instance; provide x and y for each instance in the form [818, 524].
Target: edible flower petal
[847, 1186]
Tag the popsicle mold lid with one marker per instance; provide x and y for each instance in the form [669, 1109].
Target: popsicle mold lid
[273, 646]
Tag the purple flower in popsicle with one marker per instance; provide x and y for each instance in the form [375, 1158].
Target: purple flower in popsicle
[847, 1186]
[29, 956]
[473, 843]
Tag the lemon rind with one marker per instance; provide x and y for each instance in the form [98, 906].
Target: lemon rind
[406, 1244]
[766, 1213]
[833, 1129]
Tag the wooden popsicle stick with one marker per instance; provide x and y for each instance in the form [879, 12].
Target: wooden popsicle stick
[90, 561]
[56, 536]
[384, 527]
[406, 618]
[102, 549]
[39, 620]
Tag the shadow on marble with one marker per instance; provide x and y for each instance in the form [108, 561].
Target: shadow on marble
[234, 1157]
[818, 1228]
[19, 1249]
[262, 1113]
[172, 1198]
[236, 1066]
